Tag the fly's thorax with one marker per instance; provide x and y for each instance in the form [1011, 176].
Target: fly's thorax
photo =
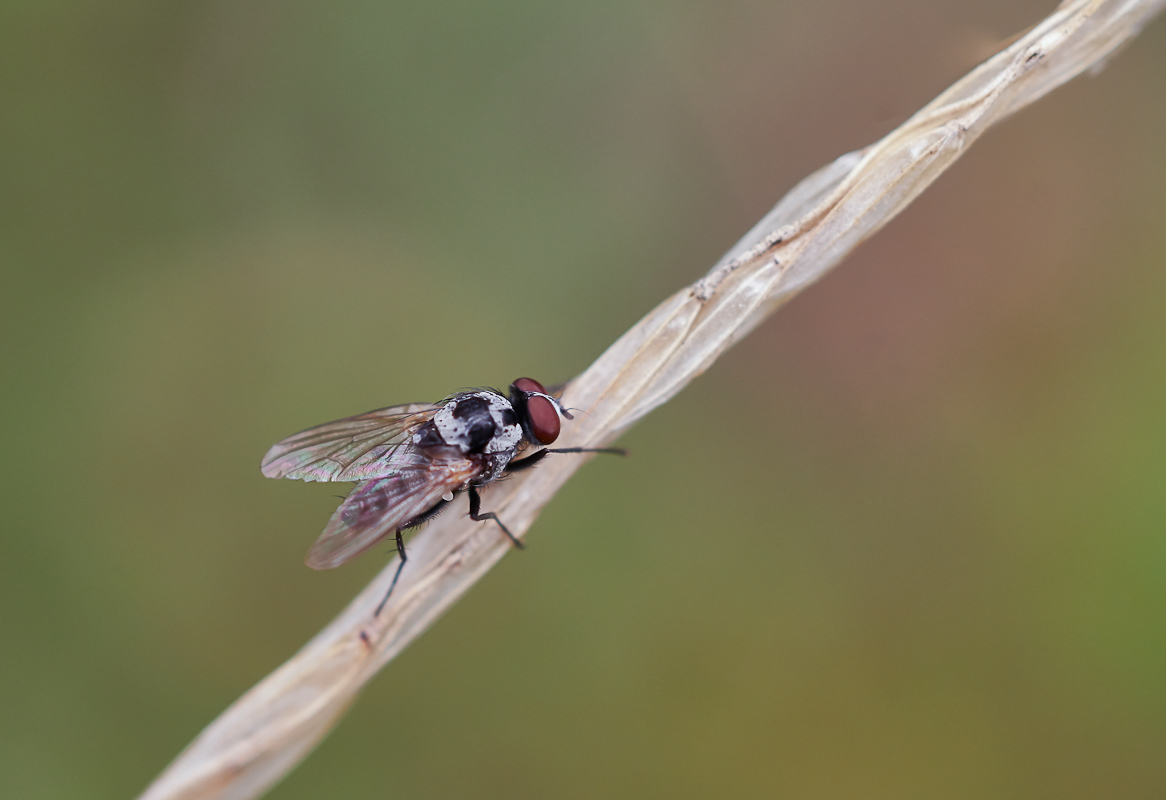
[479, 422]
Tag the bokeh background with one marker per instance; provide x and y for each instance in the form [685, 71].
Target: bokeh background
[907, 541]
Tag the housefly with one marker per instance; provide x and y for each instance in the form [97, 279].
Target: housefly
[410, 461]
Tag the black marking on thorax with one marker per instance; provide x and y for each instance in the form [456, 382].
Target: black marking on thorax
[474, 412]
[480, 422]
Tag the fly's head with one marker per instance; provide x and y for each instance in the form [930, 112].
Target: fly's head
[538, 412]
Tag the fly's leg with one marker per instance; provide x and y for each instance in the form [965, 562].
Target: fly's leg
[401, 566]
[615, 451]
[476, 516]
[424, 516]
[530, 461]
[526, 463]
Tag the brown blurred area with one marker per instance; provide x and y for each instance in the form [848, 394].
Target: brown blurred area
[907, 540]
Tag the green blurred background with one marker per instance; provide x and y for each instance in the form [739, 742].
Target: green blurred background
[906, 541]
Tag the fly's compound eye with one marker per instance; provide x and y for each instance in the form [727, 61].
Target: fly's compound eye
[543, 418]
[540, 411]
[529, 385]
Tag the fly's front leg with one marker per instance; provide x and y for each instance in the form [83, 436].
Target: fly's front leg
[526, 463]
[530, 461]
[476, 516]
[615, 451]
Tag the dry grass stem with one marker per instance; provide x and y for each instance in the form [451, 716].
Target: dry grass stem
[268, 730]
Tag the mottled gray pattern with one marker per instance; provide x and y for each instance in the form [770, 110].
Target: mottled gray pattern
[456, 432]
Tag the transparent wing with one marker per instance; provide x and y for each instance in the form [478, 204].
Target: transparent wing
[377, 508]
[351, 449]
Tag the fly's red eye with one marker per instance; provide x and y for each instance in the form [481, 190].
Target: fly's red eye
[544, 419]
[529, 385]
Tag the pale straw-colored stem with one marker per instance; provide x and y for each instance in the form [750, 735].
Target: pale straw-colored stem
[268, 730]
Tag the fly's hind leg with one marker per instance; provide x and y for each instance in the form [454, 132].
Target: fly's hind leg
[424, 516]
[397, 574]
[477, 516]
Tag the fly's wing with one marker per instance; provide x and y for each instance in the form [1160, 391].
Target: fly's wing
[352, 449]
[378, 508]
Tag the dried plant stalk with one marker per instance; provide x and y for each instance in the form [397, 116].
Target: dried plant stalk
[269, 729]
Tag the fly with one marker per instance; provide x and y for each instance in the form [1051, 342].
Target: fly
[409, 462]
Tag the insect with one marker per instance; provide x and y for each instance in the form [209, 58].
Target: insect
[410, 462]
